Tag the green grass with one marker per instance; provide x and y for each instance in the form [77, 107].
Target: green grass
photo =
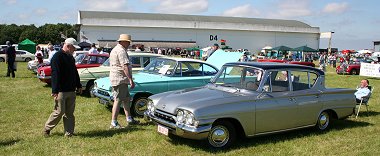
[25, 105]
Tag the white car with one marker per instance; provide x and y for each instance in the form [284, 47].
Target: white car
[21, 55]
[32, 65]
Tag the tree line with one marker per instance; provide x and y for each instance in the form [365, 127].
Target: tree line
[48, 33]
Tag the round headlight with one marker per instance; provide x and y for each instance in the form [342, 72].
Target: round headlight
[150, 106]
[95, 85]
[180, 116]
[189, 120]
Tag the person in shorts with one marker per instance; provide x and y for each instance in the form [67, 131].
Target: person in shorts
[121, 77]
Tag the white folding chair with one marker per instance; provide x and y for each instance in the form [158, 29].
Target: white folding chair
[364, 101]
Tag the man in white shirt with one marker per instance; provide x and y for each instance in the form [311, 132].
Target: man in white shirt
[362, 91]
[93, 49]
[51, 52]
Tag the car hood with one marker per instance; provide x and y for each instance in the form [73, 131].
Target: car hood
[139, 78]
[194, 98]
[220, 57]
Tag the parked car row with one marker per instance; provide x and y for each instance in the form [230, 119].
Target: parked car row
[219, 100]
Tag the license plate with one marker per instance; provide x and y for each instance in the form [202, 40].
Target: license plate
[102, 101]
[163, 130]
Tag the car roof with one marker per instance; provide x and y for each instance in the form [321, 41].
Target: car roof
[273, 65]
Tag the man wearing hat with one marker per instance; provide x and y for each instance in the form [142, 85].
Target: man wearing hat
[10, 54]
[121, 77]
[212, 50]
[64, 83]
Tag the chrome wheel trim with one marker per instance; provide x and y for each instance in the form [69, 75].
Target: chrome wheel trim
[219, 136]
[140, 106]
[323, 120]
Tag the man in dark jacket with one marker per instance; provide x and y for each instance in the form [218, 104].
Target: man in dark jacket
[10, 54]
[65, 80]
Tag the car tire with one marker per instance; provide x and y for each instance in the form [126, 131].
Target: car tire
[89, 87]
[27, 59]
[222, 135]
[354, 72]
[2, 59]
[323, 121]
[139, 106]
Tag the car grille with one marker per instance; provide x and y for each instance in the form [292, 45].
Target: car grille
[164, 116]
[103, 93]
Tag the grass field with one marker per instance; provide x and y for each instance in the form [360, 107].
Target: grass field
[25, 105]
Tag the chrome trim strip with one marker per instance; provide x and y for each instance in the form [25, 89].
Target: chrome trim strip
[264, 133]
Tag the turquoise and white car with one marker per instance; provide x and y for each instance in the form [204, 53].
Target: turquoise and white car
[166, 74]
[89, 75]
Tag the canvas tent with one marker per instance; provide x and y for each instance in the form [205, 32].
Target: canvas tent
[305, 49]
[27, 45]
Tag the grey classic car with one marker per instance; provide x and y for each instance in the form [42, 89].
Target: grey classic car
[250, 99]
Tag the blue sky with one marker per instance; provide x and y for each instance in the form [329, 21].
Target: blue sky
[356, 23]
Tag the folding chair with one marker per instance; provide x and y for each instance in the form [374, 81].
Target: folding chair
[364, 101]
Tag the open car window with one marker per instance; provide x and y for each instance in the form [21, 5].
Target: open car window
[277, 81]
[302, 80]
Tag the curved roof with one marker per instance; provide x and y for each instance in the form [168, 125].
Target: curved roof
[196, 18]
[273, 65]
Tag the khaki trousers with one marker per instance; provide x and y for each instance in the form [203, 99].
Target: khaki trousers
[64, 106]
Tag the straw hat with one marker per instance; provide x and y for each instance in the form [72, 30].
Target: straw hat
[125, 37]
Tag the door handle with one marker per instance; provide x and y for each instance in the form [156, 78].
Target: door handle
[318, 95]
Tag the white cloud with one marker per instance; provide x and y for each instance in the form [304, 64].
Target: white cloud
[40, 11]
[242, 11]
[105, 5]
[182, 6]
[23, 16]
[64, 17]
[10, 2]
[147, 1]
[335, 8]
[291, 9]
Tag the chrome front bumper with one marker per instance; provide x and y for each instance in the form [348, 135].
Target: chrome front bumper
[197, 133]
[43, 77]
[106, 100]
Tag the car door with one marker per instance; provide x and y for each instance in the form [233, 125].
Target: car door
[306, 97]
[19, 56]
[275, 108]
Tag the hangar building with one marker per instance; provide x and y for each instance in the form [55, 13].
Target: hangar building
[172, 30]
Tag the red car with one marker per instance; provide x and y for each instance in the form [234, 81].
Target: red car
[353, 69]
[311, 64]
[81, 61]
